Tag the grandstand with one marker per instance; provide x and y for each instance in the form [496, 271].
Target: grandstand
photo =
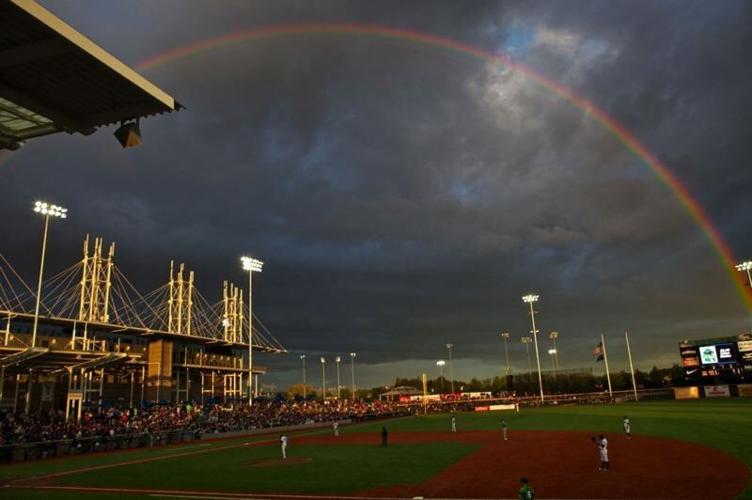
[102, 342]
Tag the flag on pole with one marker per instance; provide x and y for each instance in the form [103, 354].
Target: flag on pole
[598, 352]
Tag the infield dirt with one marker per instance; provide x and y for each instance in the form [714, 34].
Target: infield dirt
[565, 465]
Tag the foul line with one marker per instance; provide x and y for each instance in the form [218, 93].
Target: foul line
[211, 495]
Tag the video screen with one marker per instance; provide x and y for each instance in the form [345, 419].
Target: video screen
[718, 354]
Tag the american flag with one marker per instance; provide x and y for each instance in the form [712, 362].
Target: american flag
[598, 352]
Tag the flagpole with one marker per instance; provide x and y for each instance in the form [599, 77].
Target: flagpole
[631, 366]
[605, 358]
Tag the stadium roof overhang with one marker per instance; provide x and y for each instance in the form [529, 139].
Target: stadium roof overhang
[54, 79]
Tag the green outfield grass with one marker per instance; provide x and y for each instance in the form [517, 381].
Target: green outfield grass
[723, 424]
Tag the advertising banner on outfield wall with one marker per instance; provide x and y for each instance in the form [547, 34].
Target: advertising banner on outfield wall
[717, 391]
[686, 392]
[745, 390]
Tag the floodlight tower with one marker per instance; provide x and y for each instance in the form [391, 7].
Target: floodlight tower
[451, 367]
[337, 360]
[527, 341]
[553, 336]
[531, 299]
[505, 336]
[440, 363]
[352, 372]
[746, 266]
[48, 211]
[552, 353]
[302, 358]
[252, 266]
[323, 378]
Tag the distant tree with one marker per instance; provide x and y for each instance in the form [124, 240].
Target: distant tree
[298, 390]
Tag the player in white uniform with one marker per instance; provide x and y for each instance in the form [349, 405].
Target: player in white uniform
[335, 426]
[454, 424]
[283, 444]
[627, 427]
[603, 452]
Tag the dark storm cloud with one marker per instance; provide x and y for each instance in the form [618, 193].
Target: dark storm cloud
[405, 196]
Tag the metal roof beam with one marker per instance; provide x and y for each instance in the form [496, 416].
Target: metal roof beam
[25, 355]
[62, 121]
[34, 51]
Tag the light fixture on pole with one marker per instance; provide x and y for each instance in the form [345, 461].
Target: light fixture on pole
[553, 336]
[552, 353]
[252, 266]
[440, 363]
[323, 378]
[451, 367]
[338, 359]
[505, 336]
[746, 266]
[48, 211]
[531, 299]
[527, 341]
[302, 358]
[352, 373]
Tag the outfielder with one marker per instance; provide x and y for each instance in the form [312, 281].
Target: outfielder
[283, 444]
[504, 428]
[335, 426]
[454, 424]
[627, 427]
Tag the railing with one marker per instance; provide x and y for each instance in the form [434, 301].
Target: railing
[65, 447]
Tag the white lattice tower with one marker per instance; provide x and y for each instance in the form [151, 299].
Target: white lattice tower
[232, 316]
[180, 301]
[96, 283]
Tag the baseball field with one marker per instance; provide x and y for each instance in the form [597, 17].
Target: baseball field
[693, 449]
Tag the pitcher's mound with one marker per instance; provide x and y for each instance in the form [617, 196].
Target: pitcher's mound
[277, 462]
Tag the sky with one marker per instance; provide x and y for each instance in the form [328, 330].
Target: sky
[403, 196]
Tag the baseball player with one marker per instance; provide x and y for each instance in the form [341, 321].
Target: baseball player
[384, 436]
[603, 452]
[526, 492]
[454, 424]
[335, 426]
[504, 428]
[283, 443]
[627, 427]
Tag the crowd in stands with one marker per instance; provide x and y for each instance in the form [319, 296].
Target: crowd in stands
[111, 422]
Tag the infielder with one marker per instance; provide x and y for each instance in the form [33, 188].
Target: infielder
[454, 424]
[335, 426]
[603, 452]
[504, 428]
[627, 427]
[283, 444]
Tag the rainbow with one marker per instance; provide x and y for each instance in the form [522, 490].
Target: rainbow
[661, 171]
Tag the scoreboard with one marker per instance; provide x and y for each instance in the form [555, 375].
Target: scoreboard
[730, 357]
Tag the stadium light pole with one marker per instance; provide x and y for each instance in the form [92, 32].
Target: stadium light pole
[552, 353]
[352, 373]
[553, 336]
[252, 266]
[505, 336]
[323, 378]
[440, 363]
[48, 211]
[746, 266]
[531, 299]
[451, 367]
[338, 359]
[527, 341]
[302, 358]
